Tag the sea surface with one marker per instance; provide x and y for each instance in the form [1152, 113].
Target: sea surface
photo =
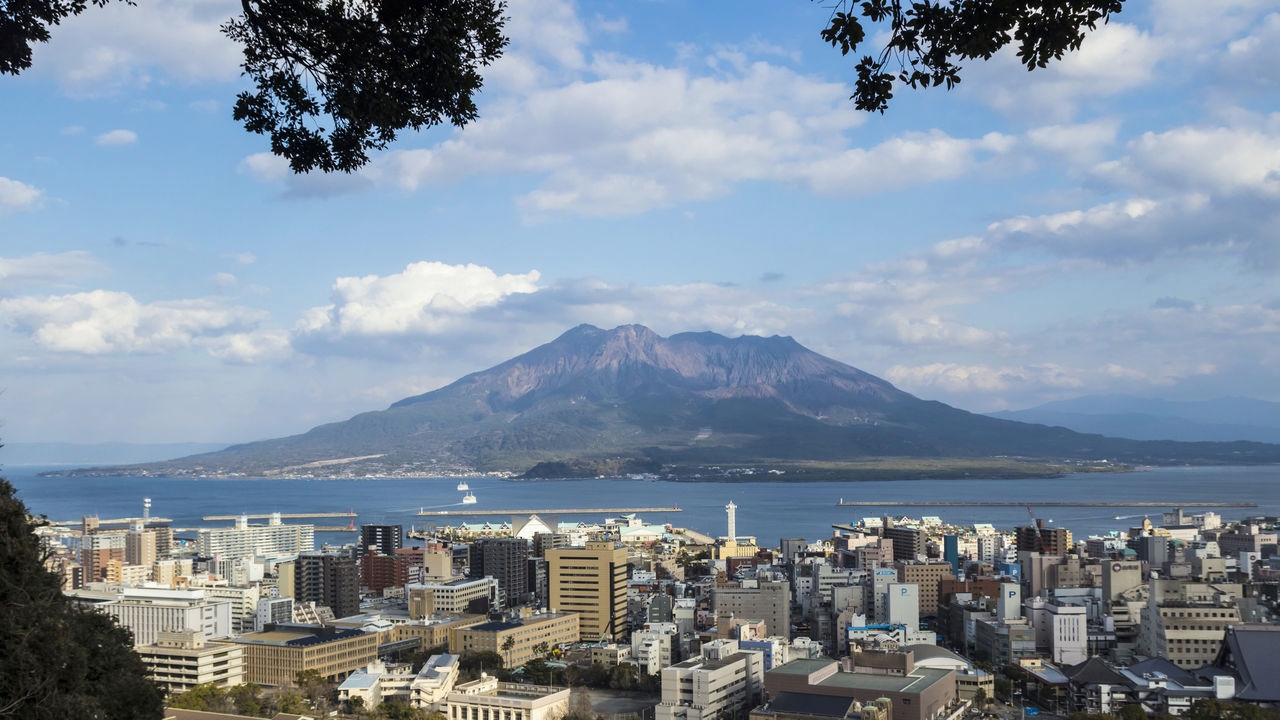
[767, 510]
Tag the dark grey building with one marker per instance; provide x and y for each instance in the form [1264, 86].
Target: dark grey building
[507, 561]
[386, 538]
[329, 580]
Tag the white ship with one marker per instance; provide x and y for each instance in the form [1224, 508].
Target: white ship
[469, 499]
[463, 486]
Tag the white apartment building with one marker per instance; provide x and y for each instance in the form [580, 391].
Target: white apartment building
[434, 682]
[725, 680]
[274, 540]
[654, 647]
[1061, 630]
[449, 598]
[146, 611]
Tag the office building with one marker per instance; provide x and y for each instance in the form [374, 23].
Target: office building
[489, 698]
[704, 688]
[517, 640]
[455, 597]
[766, 599]
[504, 560]
[276, 655]
[179, 660]
[147, 611]
[592, 581]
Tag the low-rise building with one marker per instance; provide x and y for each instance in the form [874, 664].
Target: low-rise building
[517, 640]
[276, 655]
[488, 698]
[181, 659]
[916, 693]
[702, 688]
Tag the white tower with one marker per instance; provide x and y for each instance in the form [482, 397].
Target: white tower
[731, 510]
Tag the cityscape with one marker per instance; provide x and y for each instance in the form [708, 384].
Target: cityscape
[675, 360]
[529, 611]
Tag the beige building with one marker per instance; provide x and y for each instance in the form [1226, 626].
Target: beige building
[181, 659]
[515, 640]
[434, 632]
[276, 656]
[450, 598]
[1185, 622]
[928, 575]
[488, 698]
[591, 581]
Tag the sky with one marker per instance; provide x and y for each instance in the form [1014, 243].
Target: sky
[1110, 224]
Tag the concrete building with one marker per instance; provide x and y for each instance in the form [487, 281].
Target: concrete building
[182, 659]
[272, 541]
[327, 579]
[914, 693]
[146, 611]
[507, 561]
[454, 597]
[516, 640]
[1062, 631]
[591, 581]
[434, 682]
[1041, 539]
[908, 542]
[656, 646]
[488, 698]
[703, 688]
[272, 611]
[928, 575]
[767, 599]
[276, 655]
[1186, 622]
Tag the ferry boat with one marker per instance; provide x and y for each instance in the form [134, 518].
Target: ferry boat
[469, 499]
[463, 486]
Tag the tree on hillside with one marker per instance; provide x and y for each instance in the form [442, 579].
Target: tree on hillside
[59, 661]
[336, 79]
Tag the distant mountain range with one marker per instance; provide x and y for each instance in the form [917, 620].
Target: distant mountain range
[63, 453]
[627, 400]
[1137, 418]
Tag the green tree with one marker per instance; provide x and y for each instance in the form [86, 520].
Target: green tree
[333, 79]
[928, 39]
[1132, 711]
[58, 661]
[247, 699]
[292, 703]
[980, 697]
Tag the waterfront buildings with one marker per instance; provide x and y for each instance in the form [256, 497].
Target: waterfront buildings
[274, 540]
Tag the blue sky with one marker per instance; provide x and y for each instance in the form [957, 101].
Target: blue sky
[1110, 224]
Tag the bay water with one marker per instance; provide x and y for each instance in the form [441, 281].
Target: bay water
[766, 510]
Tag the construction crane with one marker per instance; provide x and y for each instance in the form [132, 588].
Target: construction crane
[1035, 525]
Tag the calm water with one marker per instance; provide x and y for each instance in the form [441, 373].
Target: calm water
[768, 510]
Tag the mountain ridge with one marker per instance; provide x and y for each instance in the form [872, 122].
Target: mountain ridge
[592, 395]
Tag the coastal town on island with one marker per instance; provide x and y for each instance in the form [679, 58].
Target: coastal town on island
[543, 614]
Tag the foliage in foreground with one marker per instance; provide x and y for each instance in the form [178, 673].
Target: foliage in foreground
[59, 661]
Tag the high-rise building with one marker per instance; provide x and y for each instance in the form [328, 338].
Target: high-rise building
[591, 580]
[329, 580]
[504, 560]
[908, 542]
[383, 539]
[97, 549]
[378, 572]
[140, 547]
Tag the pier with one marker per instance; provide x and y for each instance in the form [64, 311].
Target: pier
[283, 516]
[561, 511]
[114, 521]
[1042, 503]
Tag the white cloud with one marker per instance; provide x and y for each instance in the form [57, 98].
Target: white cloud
[102, 322]
[249, 347]
[245, 258]
[1115, 58]
[265, 166]
[17, 195]
[117, 137]
[426, 298]
[955, 378]
[48, 269]
[118, 46]
[1224, 160]
[224, 280]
